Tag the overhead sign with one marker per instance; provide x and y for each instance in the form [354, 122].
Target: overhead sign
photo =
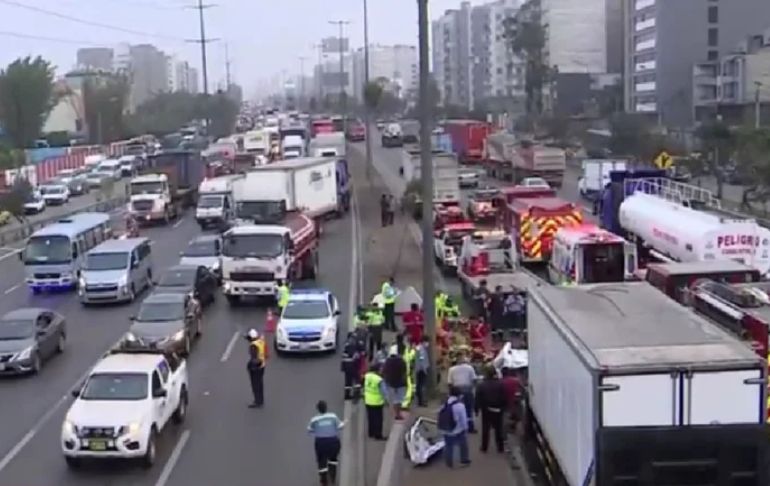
[663, 160]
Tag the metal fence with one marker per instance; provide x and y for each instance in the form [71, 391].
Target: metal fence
[12, 235]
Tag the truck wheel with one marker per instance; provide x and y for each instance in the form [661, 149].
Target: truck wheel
[232, 300]
[166, 216]
[148, 460]
[180, 414]
[311, 267]
[72, 462]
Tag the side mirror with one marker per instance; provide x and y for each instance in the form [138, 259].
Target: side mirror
[131, 318]
[75, 393]
[162, 393]
[337, 313]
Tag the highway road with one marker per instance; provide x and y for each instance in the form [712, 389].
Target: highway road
[222, 441]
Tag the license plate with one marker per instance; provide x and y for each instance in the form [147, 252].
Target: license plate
[97, 445]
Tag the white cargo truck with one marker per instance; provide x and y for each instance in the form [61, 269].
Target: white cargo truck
[596, 175]
[446, 174]
[628, 387]
[215, 201]
[327, 145]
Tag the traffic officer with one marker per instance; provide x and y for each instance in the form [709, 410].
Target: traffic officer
[451, 309]
[256, 367]
[376, 319]
[389, 293]
[351, 367]
[325, 427]
[361, 319]
[282, 296]
[439, 302]
[410, 358]
[374, 401]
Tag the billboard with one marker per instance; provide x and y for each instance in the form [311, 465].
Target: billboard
[334, 45]
[334, 79]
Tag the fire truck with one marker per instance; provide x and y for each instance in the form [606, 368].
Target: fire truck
[484, 205]
[447, 242]
[533, 222]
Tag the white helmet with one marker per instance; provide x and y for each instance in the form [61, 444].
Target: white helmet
[252, 334]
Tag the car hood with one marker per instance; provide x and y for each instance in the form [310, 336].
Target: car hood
[15, 345]
[155, 331]
[103, 276]
[209, 262]
[106, 413]
[306, 325]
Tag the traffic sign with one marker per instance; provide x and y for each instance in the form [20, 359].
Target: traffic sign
[663, 161]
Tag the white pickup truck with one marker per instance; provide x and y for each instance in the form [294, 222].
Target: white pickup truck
[125, 403]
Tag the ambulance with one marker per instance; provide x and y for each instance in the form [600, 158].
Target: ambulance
[587, 254]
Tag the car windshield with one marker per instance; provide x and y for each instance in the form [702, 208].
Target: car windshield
[178, 278]
[211, 201]
[160, 312]
[455, 237]
[146, 188]
[116, 386]
[107, 261]
[253, 246]
[297, 309]
[16, 329]
[48, 249]
[51, 190]
[201, 249]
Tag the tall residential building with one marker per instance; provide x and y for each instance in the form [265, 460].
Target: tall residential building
[181, 76]
[496, 72]
[95, 58]
[576, 35]
[451, 46]
[397, 64]
[149, 73]
[665, 39]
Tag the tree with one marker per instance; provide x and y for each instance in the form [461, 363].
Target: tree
[105, 101]
[753, 165]
[527, 39]
[11, 158]
[630, 135]
[26, 99]
[222, 113]
[13, 200]
[373, 92]
[718, 144]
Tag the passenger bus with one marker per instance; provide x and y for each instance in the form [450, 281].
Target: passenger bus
[53, 255]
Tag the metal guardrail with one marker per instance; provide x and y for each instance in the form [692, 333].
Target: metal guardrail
[12, 235]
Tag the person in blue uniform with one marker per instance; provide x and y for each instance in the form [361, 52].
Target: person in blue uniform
[325, 428]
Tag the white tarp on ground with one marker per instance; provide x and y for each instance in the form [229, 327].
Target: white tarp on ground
[423, 441]
[510, 357]
[406, 298]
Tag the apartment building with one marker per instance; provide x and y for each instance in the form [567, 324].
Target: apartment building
[397, 64]
[95, 58]
[665, 39]
[181, 76]
[451, 56]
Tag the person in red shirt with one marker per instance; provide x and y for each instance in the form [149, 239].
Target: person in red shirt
[512, 391]
[414, 324]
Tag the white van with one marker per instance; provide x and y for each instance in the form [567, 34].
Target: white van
[110, 167]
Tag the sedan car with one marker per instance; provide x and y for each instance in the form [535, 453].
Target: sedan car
[28, 337]
[308, 323]
[96, 179]
[535, 182]
[467, 178]
[204, 251]
[197, 281]
[167, 321]
[74, 181]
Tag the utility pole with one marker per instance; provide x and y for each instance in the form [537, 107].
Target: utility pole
[319, 81]
[757, 105]
[228, 79]
[343, 95]
[367, 109]
[301, 80]
[426, 166]
[203, 41]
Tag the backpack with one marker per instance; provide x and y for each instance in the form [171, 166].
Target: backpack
[446, 418]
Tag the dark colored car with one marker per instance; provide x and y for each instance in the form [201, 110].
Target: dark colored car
[197, 281]
[28, 337]
[167, 321]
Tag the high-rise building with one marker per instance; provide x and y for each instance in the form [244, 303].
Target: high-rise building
[192, 80]
[95, 58]
[665, 39]
[397, 64]
[149, 73]
[451, 49]
[181, 76]
[336, 67]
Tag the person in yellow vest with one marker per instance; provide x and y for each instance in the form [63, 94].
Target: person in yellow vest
[376, 320]
[389, 294]
[256, 367]
[374, 401]
[282, 296]
[451, 309]
[439, 304]
[410, 356]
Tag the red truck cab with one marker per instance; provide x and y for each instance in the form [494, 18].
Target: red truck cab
[321, 126]
[468, 139]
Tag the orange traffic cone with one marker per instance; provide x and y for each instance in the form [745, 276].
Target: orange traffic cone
[270, 321]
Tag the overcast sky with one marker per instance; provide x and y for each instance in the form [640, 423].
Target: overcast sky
[265, 37]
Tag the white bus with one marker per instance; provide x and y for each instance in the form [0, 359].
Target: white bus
[53, 255]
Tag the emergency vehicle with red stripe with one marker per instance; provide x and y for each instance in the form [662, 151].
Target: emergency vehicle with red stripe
[533, 222]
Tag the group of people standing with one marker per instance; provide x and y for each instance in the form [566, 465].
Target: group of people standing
[500, 308]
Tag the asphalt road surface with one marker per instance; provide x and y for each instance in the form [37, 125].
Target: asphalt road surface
[222, 441]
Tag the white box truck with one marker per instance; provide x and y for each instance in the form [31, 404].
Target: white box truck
[596, 175]
[446, 174]
[327, 145]
[628, 387]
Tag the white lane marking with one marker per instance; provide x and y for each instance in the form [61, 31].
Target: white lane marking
[31, 433]
[173, 459]
[41, 422]
[8, 291]
[229, 348]
[176, 225]
[10, 254]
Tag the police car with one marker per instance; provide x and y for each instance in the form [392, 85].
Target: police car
[308, 323]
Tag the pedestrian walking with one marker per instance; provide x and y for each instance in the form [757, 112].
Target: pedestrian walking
[256, 367]
[497, 316]
[394, 372]
[351, 367]
[384, 210]
[422, 370]
[389, 294]
[325, 428]
[376, 321]
[481, 300]
[463, 377]
[391, 210]
[491, 403]
[414, 324]
[453, 424]
[512, 389]
[374, 401]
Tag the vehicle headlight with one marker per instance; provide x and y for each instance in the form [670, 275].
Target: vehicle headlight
[123, 281]
[22, 355]
[278, 269]
[69, 428]
[178, 336]
[215, 265]
[82, 282]
[329, 331]
[281, 332]
[227, 286]
[133, 428]
[130, 337]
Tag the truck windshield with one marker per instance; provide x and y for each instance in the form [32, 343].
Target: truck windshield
[253, 246]
[261, 211]
[41, 250]
[206, 202]
[106, 261]
[116, 386]
[138, 188]
[603, 263]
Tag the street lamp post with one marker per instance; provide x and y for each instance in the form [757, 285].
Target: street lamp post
[367, 114]
[426, 165]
